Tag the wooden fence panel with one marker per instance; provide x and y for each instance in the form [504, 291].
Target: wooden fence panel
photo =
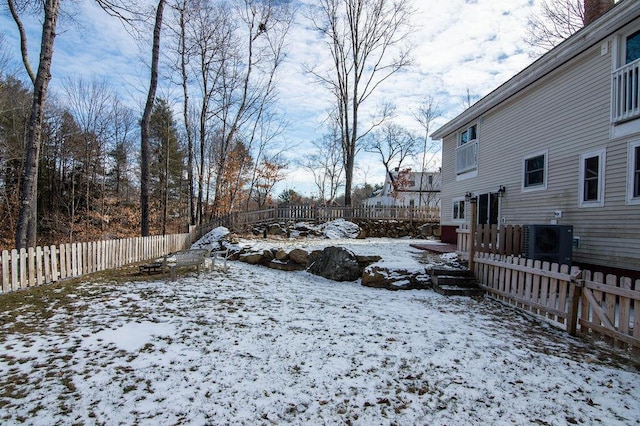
[39, 268]
[636, 320]
[6, 281]
[31, 267]
[15, 277]
[47, 264]
[535, 287]
[578, 301]
[505, 240]
[44, 265]
[55, 265]
[607, 316]
[527, 284]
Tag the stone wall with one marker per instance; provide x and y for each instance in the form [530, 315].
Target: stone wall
[369, 229]
[397, 229]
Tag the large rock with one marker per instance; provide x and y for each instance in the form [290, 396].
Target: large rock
[276, 229]
[285, 266]
[334, 263]
[394, 279]
[365, 261]
[252, 258]
[299, 256]
[282, 255]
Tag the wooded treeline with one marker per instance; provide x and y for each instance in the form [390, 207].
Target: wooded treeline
[213, 146]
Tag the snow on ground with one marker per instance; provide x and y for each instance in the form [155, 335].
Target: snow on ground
[258, 346]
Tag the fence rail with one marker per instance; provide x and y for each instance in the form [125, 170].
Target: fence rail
[576, 300]
[329, 213]
[43, 265]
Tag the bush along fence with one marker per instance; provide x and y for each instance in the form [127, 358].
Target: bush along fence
[575, 300]
[43, 265]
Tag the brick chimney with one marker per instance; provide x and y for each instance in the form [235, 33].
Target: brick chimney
[594, 8]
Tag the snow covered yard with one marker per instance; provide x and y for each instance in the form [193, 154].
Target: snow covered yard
[259, 346]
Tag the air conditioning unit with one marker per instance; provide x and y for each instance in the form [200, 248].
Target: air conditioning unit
[550, 243]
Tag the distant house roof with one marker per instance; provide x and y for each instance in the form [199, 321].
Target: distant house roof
[617, 17]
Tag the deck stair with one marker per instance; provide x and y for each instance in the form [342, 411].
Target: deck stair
[455, 282]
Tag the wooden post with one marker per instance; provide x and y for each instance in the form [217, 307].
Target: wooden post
[575, 293]
[472, 236]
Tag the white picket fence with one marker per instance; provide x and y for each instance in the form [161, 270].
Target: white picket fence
[43, 265]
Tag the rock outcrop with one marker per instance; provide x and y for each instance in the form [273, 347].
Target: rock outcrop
[395, 279]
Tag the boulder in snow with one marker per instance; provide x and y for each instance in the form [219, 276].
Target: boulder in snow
[334, 263]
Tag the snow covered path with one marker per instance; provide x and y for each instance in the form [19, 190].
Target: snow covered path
[258, 346]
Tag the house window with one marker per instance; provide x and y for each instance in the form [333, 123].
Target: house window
[592, 179]
[488, 209]
[534, 174]
[468, 135]
[632, 47]
[633, 179]
[467, 151]
[459, 209]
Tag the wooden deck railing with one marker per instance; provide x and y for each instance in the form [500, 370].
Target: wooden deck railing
[625, 102]
[328, 213]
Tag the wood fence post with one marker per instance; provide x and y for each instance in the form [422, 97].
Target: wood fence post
[575, 294]
[472, 237]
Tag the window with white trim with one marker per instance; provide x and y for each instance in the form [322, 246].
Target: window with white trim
[459, 209]
[534, 171]
[632, 47]
[592, 179]
[633, 173]
[468, 135]
[467, 151]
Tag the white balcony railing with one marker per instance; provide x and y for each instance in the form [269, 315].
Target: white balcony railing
[467, 157]
[626, 93]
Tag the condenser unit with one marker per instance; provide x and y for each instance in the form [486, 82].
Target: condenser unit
[550, 243]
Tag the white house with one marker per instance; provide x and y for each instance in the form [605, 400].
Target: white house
[407, 188]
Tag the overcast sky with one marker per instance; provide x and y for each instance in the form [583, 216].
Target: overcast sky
[460, 46]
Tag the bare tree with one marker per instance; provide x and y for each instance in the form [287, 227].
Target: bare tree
[91, 105]
[5, 57]
[268, 172]
[26, 225]
[326, 166]
[184, 54]
[553, 22]
[144, 124]
[247, 80]
[366, 40]
[26, 230]
[427, 112]
[394, 144]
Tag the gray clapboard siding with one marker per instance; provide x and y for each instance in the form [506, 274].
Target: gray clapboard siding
[567, 113]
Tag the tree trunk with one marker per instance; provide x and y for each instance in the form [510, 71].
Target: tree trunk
[145, 130]
[187, 124]
[26, 226]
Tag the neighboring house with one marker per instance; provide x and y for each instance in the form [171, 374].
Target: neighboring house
[562, 141]
[406, 188]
